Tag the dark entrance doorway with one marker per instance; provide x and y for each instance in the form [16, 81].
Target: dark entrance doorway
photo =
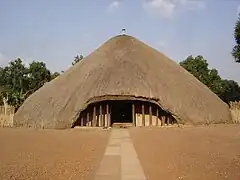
[121, 112]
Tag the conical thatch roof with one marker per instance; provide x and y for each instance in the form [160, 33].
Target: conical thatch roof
[122, 68]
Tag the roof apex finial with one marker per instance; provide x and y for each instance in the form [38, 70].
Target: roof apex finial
[123, 31]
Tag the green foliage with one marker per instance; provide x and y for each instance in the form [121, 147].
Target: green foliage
[54, 75]
[15, 76]
[236, 48]
[227, 90]
[77, 59]
[1, 95]
[38, 75]
[197, 66]
[232, 91]
[17, 81]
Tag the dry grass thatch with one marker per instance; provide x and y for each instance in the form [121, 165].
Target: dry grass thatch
[235, 111]
[127, 68]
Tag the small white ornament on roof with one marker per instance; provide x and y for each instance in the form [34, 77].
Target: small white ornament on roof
[123, 31]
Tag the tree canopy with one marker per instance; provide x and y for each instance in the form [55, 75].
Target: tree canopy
[17, 81]
[236, 48]
[227, 90]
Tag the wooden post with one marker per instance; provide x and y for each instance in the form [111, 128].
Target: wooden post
[150, 115]
[157, 116]
[82, 120]
[108, 123]
[162, 118]
[88, 117]
[103, 120]
[109, 116]
[133, 115]
[94, 116]
[172, 119]
[143, 115]
[167, 116]
[100, 116]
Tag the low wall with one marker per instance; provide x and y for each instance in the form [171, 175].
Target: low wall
[6, 116]
[235, 111]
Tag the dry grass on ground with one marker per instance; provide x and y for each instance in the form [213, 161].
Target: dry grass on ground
[50, 154]
[191, 153]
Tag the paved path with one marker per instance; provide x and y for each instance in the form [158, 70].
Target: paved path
[120, 161]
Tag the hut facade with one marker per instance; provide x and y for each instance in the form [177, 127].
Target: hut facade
[134, 112]
[123, 81]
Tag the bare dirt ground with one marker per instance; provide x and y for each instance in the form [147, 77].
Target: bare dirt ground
[50, 154]
[191, 153]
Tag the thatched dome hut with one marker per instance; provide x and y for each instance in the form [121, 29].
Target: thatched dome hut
[124, 80]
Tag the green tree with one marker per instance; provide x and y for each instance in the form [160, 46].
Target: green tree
[198, 66]
[1, 76]
[38, 75]
[54, 75]
[17, 81]
[1, 95]
[3, 88]
[236, 48]
[15, 76]
[227, 90]
[232, 91]
[77, 59]
[14, 82]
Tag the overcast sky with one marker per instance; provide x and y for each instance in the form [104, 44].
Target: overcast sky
[54, 31]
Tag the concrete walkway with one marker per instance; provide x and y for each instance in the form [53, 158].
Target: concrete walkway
[120, 161]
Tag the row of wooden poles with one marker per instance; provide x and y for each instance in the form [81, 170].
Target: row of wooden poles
[101, 117]
[164, 117]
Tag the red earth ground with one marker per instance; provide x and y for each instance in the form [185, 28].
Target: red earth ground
[191, 153]
[50, 154]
